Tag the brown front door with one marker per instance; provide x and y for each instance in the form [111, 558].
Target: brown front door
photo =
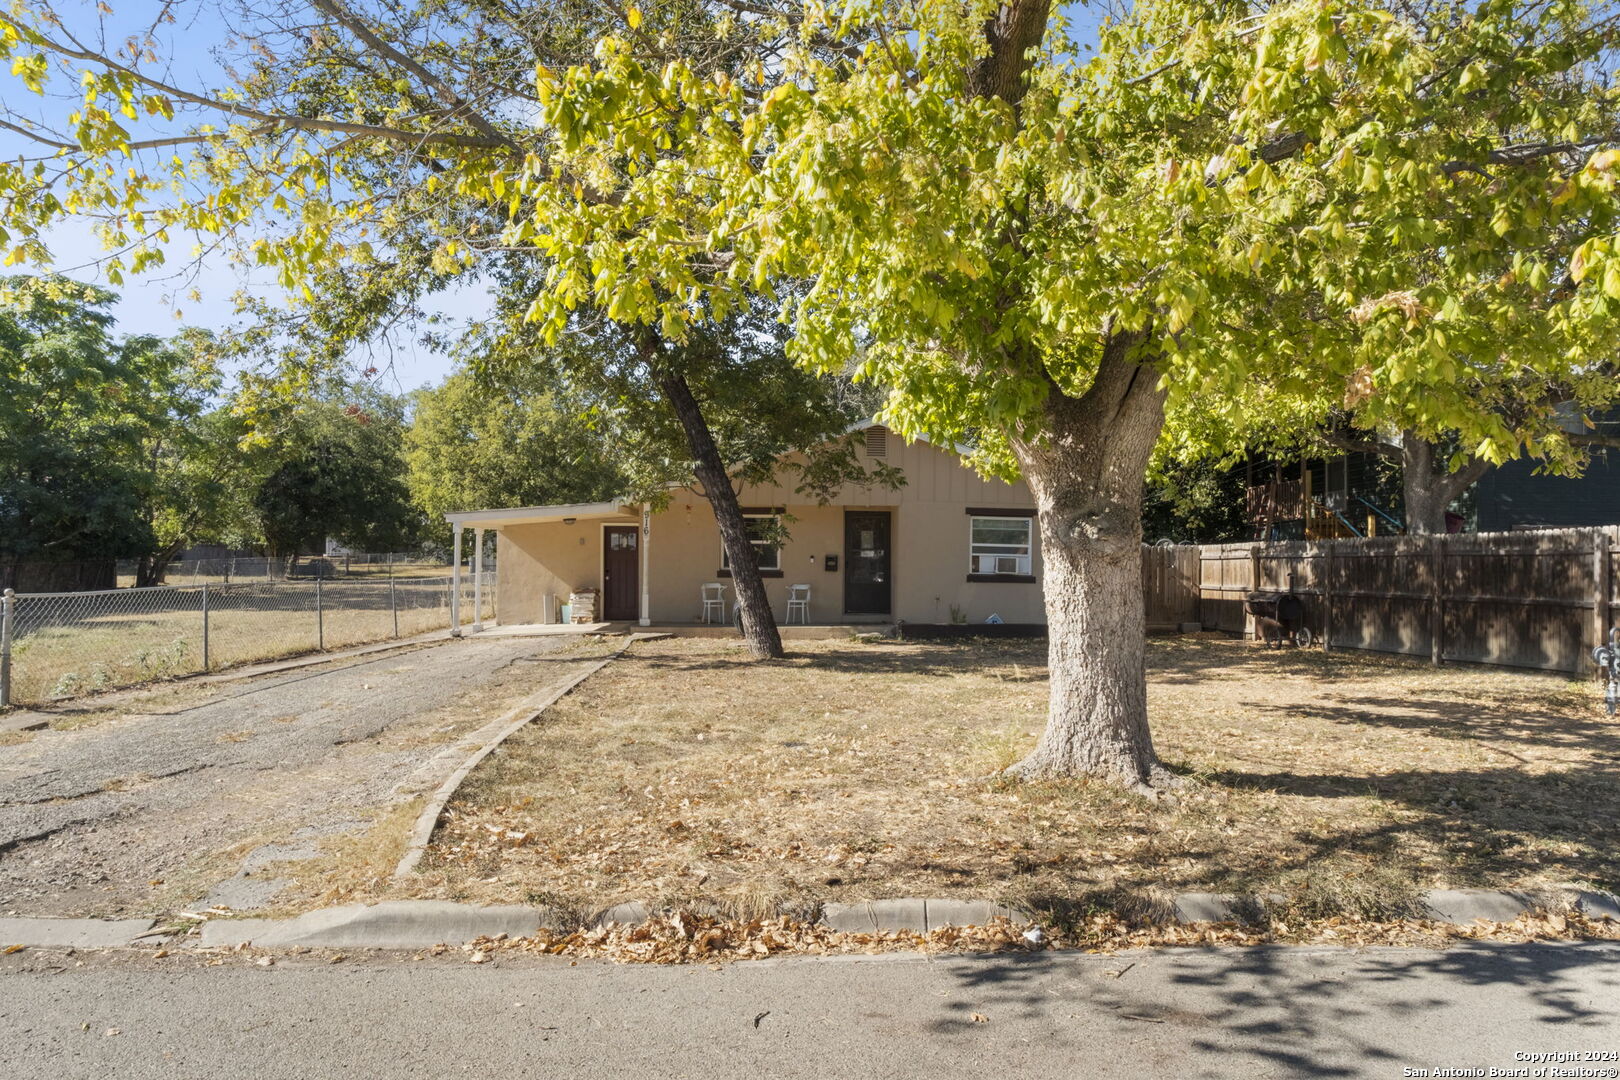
[621, 573]
[867, 588]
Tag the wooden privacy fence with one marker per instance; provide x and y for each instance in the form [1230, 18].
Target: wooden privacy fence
[1170, 586]
[1527, 599]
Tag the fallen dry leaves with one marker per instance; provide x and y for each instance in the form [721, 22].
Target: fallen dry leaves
[689, 776]
[682, 937]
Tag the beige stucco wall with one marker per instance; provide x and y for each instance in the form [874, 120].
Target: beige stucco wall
[684, 552]
[931, 569]
[534, 560]
[929, 545]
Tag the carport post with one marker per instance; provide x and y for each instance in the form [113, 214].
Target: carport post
[455, 585]
[7, 603]
[646, 562]
[478, 580]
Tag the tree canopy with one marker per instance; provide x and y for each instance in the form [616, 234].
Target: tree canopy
[477, 442]
[336, 469]
[90, 425]
[1226, 215]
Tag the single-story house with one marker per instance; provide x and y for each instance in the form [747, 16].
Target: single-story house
[948, 545]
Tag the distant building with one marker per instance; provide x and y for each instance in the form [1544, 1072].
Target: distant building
[1514, 497]
[1359, 494]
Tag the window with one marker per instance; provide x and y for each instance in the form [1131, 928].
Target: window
[1001, 545]
[764, 531]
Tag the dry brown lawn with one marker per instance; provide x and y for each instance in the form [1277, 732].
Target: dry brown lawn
[120, 649]
[688, 774]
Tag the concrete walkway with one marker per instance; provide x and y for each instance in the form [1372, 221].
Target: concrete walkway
[1275, 1012]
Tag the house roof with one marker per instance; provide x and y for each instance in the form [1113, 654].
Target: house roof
[520, 515]
[962, 449]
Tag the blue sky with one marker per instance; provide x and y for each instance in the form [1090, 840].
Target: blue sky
[161, 301]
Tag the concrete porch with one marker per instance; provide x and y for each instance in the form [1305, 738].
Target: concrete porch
[547, 629]
[789, 632]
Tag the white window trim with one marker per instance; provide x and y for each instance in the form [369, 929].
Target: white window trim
[1022, 565]
[725, 562]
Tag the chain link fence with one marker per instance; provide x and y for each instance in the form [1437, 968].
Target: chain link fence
[55, 645]
[226, 571]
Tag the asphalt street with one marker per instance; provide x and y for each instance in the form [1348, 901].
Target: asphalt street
[1265, 1012]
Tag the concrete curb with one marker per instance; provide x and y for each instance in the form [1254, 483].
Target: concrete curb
[393, 924]
[72, 933]
[24, 720]
[489, 737]
[416, 924]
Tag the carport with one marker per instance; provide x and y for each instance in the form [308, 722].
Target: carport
[614, 535]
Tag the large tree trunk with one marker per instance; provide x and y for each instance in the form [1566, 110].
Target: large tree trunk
[758, 621]
[1085, 470]
[1428, 487]
[1085, 464]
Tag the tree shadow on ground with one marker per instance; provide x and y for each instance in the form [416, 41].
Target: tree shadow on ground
[1182, 660]
[931, 659]
[1515, 721]
[1498, 824]
[1317, 1013]
[1390, 815]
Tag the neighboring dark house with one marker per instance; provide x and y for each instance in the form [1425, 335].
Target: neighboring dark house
[1513, 497]
[1353, 494]
[1359, 494]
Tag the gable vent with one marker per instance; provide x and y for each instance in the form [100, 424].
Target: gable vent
[877, 442]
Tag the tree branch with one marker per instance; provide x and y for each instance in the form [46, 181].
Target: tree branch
[445, 91]
[1363, 446]
[1525, 153]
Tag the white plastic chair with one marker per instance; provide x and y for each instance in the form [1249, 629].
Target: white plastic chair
[714, 602]
[799, 600]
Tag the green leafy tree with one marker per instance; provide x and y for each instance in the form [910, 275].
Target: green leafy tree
[1200, 502]
[479, 442]
[195, 467]
[768, 420]
[72, 423]
[1219, 209]
[96, 433]
[1224, 209]
[338, 471]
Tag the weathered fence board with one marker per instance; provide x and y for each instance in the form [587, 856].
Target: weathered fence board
[1529, 599]
[1170, 586]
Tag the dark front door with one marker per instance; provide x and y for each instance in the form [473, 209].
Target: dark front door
[621, 573]
[867, 582]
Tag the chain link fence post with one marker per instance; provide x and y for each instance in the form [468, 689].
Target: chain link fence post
[393, 601]
[7, 602]
[205, 624]
[320, 618]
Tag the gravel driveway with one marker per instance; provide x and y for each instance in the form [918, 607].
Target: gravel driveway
[193, 795]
